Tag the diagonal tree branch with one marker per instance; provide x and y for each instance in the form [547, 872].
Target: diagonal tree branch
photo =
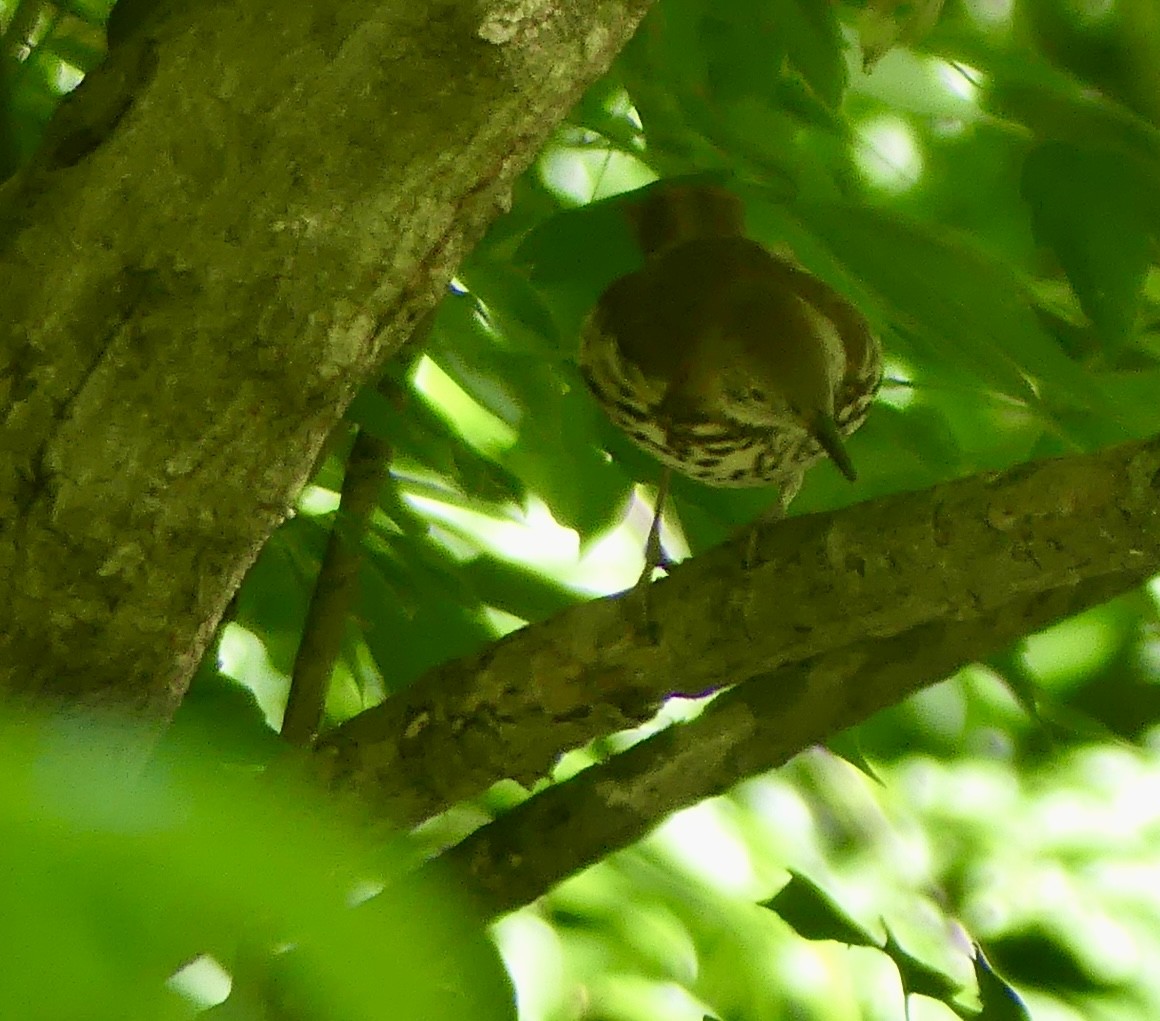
[232, 224]
[749, 729]
[820, 583]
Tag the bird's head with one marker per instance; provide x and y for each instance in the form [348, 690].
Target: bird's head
[781, 356]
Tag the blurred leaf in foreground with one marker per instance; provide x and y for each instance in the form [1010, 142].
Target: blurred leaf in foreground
[115, 884]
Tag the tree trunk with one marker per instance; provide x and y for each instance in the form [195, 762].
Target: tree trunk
[230, 226]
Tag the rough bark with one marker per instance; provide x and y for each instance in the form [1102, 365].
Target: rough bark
[817, 585]
[232, 224]
[750, 729]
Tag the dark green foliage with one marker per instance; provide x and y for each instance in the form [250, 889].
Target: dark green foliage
[1100, 213]
[989, 198]
[1012, 278]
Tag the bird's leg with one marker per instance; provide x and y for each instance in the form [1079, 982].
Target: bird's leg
[786, 492]
[654, 554]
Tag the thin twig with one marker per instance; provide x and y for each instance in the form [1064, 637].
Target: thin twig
[336, 590]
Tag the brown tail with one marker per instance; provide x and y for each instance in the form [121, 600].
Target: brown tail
[667, 215]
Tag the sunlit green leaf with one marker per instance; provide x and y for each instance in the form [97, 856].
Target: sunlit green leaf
[1000, 1002]
[917, 977]
[812, 913]
[123, 882]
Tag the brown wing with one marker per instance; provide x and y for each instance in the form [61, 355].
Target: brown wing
[863, 349]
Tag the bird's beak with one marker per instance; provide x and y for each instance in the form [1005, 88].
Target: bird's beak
[826, 433]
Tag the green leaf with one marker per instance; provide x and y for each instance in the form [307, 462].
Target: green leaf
[557, 457]
[1052, 105]
[965, 308]
[124, 880]
[515, 309]
[517, 590]
[813, 40]
[602, 109]
[1043, 957]
[743, 50]
[1000, 1002]
[275, 597]
[466, 347]
[1097, 211]
[415, 613]
[223, 719]
[95, 12]
[848, 747]
[1135, 394]
[81, 48]
[918, 978]
[418, 434]
[807, 909]
[582, 250]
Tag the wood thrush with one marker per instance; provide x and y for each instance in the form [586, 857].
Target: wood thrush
[727, 363]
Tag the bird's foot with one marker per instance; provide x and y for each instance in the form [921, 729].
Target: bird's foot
[639, 597]
[776, 512]
[654, 557]
[752, 534]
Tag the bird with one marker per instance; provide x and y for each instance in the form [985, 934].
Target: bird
[730, 364]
